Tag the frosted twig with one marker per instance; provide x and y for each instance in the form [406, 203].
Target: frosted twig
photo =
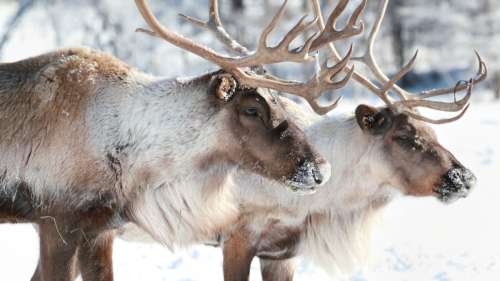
[57, 228]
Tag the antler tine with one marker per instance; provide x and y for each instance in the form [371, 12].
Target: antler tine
[329, 32]
[437, 121]
[322, 110]
[327, 74]
[324, 81]
[283, 48]
[456, 105]
[214, 25]
[482, 73]
[271, 26]
[368, 58]
[333, 50]
[383, 93]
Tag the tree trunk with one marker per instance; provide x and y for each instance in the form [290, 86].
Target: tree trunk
[238, 5]
[397, 30]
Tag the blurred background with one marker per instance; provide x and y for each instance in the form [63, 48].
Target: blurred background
[421, 239]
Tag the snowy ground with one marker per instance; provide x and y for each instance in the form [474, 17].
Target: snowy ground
[420, 240]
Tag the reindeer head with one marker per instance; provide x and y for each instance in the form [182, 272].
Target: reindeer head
[409, 147]
[416, 161]
[269, 143]
[411, 154]
[263, 139]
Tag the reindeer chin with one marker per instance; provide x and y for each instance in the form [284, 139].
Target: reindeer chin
[451, 197]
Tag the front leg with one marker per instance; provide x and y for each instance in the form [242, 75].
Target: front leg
[57, 261]
[95, 257]
[277, 270]
[238, 251]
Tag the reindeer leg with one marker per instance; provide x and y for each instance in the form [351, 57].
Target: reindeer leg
[57, 260]
[95, 257]
[277, 270]
[37, 276]
[238, 253]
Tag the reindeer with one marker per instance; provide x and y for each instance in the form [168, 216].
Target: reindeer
[89, 144]
[384, 152]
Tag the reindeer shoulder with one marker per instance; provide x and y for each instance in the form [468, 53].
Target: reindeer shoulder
[61, 71]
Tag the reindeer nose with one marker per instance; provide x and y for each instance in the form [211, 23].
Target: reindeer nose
[318, 177]
[457, 183]
[463, 177]
[308, 176]
[322, 172]
[319, 172]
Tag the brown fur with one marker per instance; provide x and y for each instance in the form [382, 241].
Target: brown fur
[412, 147]
[275, 242]
[277, 270]
[416, 156]
[238, 255]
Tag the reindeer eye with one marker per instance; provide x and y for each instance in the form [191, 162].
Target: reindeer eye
[251, 111]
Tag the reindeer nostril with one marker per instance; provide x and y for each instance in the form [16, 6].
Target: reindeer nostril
[283, 126]
[318, 177]
[309, 175]
[469, 179]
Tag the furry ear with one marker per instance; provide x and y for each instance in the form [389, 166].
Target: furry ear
[224, 87]
[372, 120]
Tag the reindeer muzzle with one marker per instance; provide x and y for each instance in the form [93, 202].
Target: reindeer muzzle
[309, 176]
[456, 183]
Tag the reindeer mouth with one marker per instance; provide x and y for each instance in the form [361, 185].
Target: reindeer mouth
[301, 188]
[456, 184]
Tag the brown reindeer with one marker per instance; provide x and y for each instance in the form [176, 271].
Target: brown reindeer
[89, 144]
[384, 152]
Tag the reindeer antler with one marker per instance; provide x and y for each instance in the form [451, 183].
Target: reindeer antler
[264, 54]
[408, 101]
[214, 25]
[329, 32]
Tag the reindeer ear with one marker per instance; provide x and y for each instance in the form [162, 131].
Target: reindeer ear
[224, 87]
[372, 120]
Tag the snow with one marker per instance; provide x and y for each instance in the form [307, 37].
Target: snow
[419, 239]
